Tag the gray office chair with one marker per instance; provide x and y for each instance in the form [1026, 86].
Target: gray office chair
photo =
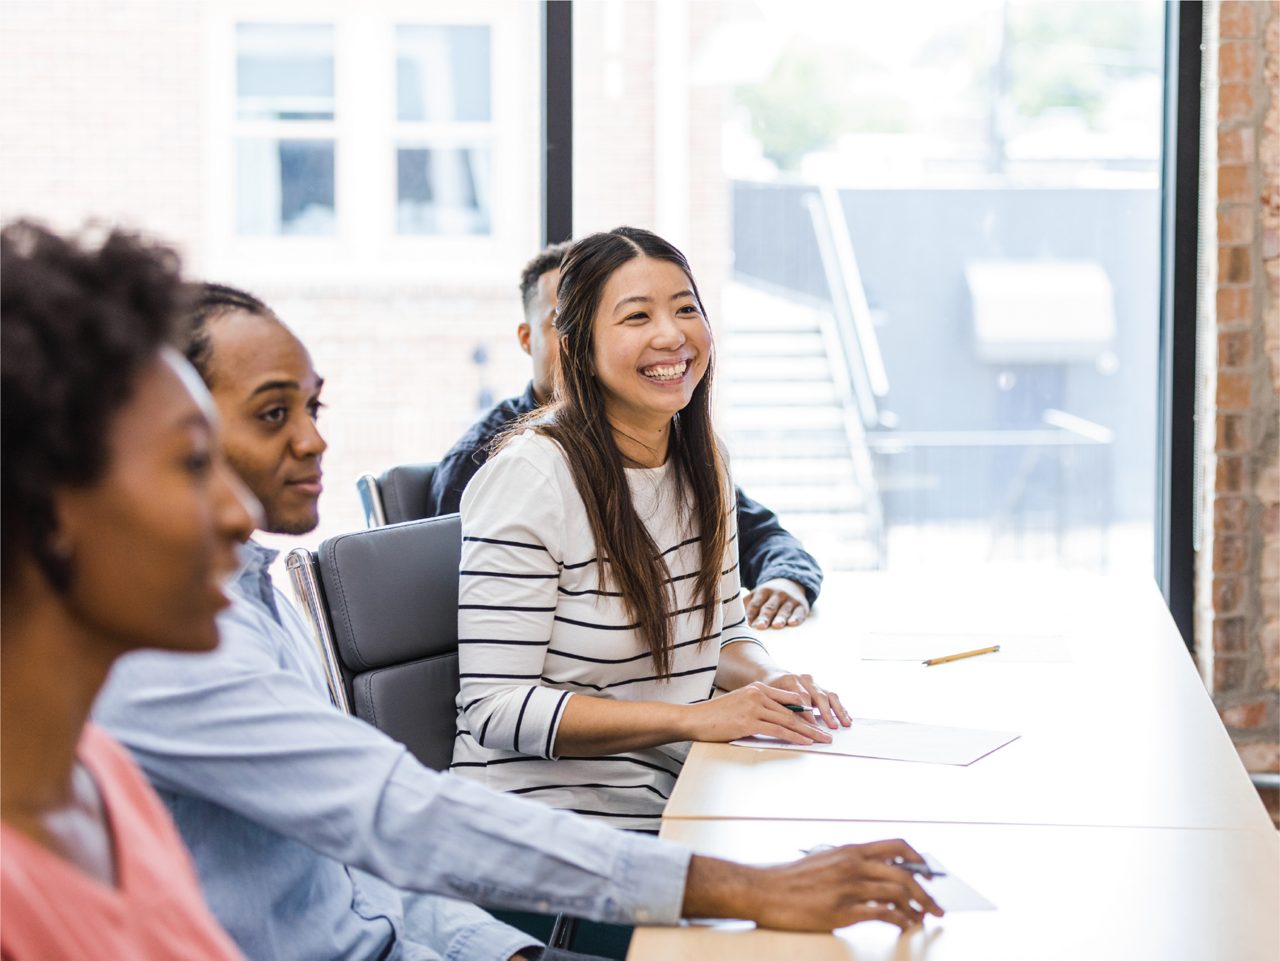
[383, 606]
[400, 494]
[383, 610]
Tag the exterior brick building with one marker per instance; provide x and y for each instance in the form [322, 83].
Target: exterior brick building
[1239, 566]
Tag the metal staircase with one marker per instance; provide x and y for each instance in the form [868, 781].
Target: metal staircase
[786, 412]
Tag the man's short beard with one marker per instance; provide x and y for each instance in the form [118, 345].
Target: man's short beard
[303, 526]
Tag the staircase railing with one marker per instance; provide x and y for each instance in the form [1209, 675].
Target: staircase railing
[858, 369]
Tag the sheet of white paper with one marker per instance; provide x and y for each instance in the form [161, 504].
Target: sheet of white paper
[920, 646]
[899, 741]
[950, 892]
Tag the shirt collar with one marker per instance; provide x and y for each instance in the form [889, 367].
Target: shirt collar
[254, 578]
[529, 400]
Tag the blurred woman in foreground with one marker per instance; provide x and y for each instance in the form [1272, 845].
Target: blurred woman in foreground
[121, 523]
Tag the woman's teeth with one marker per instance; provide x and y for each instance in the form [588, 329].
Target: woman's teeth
[666, 371]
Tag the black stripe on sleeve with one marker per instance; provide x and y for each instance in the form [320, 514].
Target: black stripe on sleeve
[501, 640]
[612, 814]
[484, 730]
[505, 607]
[566, 591]
[634, 680]
[598, 627]
[627, 660]
[515, 742]
[504, 677]
[623, 787]
[528, 759]
[574, 567]
[494, 540]
[530, 577]
[555, 715]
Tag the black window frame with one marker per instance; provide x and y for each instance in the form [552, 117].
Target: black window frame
[1174, 561]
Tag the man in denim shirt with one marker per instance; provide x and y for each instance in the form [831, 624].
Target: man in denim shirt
[316, 836]
[784, 577]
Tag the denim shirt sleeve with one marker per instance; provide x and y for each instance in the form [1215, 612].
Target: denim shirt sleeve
[768, 550]
[469, 454]
[463, 932]
[238, 729]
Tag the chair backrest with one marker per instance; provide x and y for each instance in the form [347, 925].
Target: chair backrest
[383, 606]
[401, 494]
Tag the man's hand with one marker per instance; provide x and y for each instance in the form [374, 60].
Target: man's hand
[777, 603]
[827, 890]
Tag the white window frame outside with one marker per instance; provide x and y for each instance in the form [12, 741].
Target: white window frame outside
[365, 247]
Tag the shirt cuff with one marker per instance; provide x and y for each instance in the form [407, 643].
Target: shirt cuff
[651, 875]
[812, 585]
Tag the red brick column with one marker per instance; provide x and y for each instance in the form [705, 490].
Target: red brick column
[1244, 564]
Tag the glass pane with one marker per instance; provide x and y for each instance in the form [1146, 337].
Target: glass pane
[443, 190]
[284, 71]
[929, 234]
[284, 186]
[442, 73]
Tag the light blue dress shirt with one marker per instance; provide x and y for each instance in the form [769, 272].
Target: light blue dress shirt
[317, 837]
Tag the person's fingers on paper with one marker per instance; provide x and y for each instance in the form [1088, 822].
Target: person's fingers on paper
[755, 708]
[799, 721]
[886, 892]
[795, 684]
[834, 888]
[906, 881]
[886, 852]
[788, 733]
[838, 706]
[821, 699]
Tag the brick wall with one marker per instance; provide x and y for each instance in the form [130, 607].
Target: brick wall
[102, 108]
[104, 111]
[1241, 608]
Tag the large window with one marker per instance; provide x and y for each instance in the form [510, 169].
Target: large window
[391, 141]
[285, 128]
[929, 235]
[444, 152]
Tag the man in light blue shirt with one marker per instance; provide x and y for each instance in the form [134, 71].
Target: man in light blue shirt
[317, 837]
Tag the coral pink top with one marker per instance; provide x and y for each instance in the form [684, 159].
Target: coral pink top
[54, 911]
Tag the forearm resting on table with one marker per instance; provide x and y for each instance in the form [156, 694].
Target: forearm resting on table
[592, 726]
[743, 663]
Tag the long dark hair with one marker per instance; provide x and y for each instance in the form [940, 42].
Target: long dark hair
[576, 421]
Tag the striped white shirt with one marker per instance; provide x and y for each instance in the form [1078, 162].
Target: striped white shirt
[535, 627]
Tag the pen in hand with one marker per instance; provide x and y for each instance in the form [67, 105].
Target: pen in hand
[911, 867]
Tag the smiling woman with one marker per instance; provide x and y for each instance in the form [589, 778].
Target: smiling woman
[599, 596]
[121, 523]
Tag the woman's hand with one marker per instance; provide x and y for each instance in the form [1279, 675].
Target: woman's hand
[827, 702]
[755, 708]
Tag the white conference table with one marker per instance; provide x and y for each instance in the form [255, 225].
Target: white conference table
[1120, 825]
[1116, 728]
[1061, 894]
